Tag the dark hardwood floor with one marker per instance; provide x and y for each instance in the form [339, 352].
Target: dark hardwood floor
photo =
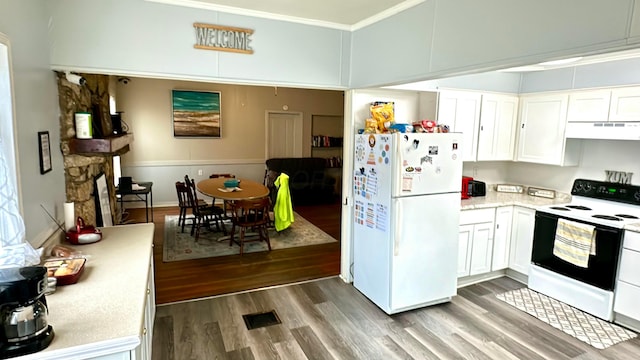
[329, 319]
[192, 279]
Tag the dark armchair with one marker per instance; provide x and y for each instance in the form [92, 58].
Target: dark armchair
[308, 179]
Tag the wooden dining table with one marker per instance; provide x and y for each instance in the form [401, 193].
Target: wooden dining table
[248, 189]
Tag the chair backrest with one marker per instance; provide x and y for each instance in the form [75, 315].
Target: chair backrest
[251, 212]
[192, 195]
[215, 176]
[183, 197]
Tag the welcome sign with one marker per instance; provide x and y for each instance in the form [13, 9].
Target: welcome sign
[223, 38]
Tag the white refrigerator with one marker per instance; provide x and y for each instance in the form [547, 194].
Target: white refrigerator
[406, 213]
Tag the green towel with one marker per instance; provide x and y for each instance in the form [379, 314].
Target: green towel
[282, 209]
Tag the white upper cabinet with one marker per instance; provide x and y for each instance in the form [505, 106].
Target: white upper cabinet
[498, 119]
[461, 111]
[625, 104]
[589, 106]
[541, 137]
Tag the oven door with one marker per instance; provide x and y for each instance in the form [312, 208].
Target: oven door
[602, 268]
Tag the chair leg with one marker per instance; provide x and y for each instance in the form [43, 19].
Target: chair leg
[242, 232]
[266, 236]
[233, 231]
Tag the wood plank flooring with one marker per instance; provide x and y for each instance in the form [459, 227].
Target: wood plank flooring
[191, 279]
[328, 319]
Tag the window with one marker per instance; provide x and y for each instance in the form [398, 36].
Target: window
[7, 124]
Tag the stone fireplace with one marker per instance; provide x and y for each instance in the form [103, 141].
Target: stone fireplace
[84, 159]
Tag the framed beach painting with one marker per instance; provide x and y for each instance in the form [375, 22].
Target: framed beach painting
[196, 113]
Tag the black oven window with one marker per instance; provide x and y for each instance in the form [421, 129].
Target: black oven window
[601, 271]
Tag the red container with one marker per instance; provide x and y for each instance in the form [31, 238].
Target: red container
[465, 187]
[66, 271]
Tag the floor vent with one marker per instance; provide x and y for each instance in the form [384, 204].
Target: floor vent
[258, 320]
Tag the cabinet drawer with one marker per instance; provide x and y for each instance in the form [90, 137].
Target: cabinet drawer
[629, 270]
[631, 240]
[477, 216]
[626, 302]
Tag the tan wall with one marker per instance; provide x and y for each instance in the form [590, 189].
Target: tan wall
[146, 104]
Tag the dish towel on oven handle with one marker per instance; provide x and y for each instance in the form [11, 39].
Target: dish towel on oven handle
[574, 242]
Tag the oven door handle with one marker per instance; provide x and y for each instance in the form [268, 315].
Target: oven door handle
[599, 228]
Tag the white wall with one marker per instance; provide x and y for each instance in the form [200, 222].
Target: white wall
[36, 101]
[455, 37]
[137, 37]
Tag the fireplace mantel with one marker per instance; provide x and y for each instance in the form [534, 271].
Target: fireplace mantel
[117, 144]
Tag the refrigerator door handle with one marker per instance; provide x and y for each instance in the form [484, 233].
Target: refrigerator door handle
[397, 234]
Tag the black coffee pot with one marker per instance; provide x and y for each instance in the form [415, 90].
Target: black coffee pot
[23, 311]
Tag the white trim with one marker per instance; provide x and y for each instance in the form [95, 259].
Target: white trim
[162, 163]
[183, 77]
[385, 14]
[294, 19]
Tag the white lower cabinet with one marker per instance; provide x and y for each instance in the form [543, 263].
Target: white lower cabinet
[502, 238]
[627, 290]
[475, 241]
[522, 227]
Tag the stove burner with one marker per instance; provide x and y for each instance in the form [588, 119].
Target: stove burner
[607, 217]
[559, 208]
[626, 216]
[578, 207]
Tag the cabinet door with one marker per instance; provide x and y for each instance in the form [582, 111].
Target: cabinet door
[522, 239]
[502, 238]
[464, 249]
[542, 126]
[461, 111]
[625, 104]
[589, 106]
[482, 247]
[498, 119]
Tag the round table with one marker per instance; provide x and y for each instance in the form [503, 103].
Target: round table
[250, 189]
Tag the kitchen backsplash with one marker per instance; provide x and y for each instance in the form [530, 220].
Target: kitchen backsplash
[597, 156]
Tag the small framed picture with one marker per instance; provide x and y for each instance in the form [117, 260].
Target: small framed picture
[45, 151]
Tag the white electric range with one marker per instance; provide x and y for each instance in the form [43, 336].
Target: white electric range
[606, 206]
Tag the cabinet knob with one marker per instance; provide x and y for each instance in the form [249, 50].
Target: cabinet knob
[144, 331]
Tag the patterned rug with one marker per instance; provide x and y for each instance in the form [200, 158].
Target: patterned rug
[594, 331]
[181, 246]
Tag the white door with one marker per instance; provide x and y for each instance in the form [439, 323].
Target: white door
[522, 239]
[461, 111]
[498, 118]
[502, 238]
[465, 237]
[542, 125]
[284, 134]
[481, 248]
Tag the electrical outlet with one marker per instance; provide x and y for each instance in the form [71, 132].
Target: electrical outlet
[199, 172]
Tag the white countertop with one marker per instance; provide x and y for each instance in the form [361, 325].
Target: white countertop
[495, 199]
[104, 310]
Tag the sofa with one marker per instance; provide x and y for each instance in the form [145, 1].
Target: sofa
[308, 180]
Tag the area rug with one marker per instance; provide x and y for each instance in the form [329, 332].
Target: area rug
[585, 327]
[181, 245]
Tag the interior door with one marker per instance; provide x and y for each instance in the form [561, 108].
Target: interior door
[284, 134]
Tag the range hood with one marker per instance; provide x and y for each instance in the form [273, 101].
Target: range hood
[603, 130]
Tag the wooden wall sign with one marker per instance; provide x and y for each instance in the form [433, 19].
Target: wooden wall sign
[223, 38]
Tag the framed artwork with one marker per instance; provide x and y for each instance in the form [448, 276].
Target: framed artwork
[103, 206]
[44, 146]
[196, 113]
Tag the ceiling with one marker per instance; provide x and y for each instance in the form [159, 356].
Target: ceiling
[344, 14]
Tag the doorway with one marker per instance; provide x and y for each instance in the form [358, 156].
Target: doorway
[284, 134]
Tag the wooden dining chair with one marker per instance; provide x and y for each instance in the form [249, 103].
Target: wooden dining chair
[185, 205]
[250, 215]
[202, 215]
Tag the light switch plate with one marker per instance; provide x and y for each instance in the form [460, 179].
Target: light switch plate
[508, 188]
[545, 193]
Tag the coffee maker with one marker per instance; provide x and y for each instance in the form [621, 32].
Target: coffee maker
[23, 311]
